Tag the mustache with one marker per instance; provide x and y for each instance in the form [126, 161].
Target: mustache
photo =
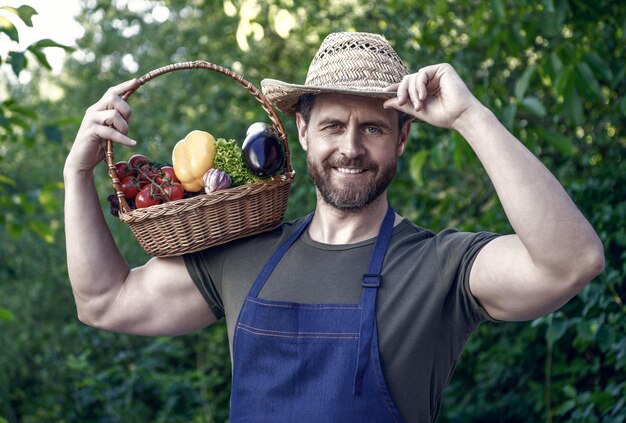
[357, 163]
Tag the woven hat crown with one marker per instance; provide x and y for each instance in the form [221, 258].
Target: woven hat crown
[357, 63]
[355, 60]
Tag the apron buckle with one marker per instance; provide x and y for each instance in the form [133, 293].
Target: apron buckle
[371, 280]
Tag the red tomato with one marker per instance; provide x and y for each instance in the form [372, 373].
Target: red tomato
[130, 186]
[174, 191]
[137, 160]
[147, 173]
[122, 170]
[166, 174]
[147, 197]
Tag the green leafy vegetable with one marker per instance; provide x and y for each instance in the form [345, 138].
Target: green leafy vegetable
[229, 159]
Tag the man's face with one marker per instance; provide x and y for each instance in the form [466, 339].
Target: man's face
[352, 146]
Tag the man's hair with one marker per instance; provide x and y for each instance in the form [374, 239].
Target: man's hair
[306, 101]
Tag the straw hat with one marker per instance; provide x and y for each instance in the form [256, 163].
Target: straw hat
[356, 63]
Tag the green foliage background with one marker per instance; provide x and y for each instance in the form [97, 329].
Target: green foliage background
[554, 71]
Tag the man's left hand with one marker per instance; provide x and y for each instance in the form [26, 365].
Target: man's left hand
[435, 95]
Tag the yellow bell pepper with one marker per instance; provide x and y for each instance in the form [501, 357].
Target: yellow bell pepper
[192, 157]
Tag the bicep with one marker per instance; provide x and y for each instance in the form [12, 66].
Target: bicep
[509, 286]
[159, 298]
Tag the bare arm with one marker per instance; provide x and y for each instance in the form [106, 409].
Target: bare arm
[158, 298]
[554, 251]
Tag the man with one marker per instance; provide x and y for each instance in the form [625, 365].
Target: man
[352, 313]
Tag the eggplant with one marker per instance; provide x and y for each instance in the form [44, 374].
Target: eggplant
[215, 180]
[263, 150]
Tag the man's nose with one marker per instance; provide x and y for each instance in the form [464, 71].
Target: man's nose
[351, 143]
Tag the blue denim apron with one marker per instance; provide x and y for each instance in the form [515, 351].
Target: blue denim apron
[311, 362]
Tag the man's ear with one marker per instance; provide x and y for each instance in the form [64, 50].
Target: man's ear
[302, 130]
[404, 135]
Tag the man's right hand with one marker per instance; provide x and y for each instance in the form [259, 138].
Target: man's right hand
[107, 292]
[107, 119]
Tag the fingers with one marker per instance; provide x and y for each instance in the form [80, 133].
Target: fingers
[416, 87]
[110, 133]
[112, 99]
[109, 117]
[100, 125]
[406, 107]
[392, 88]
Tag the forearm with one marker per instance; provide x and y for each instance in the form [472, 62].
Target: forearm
[96, 268]
[548, 223]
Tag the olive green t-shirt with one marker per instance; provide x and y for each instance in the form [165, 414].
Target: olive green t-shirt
[425, 311]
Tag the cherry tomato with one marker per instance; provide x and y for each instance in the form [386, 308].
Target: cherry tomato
[166, 174]
[130, 186]
[147, 197]
[174, 191]
[137, 160]
[122, 170]
[147, 173]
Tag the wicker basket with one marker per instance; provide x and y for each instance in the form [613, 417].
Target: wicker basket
[192, 224]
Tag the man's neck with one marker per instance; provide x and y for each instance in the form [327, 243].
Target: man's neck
[333, 226]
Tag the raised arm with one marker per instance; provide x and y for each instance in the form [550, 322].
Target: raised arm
[554, 251]
[158, 298]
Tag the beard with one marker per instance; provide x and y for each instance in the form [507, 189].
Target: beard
[351, 196]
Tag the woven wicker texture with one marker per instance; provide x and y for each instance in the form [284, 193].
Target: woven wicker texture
[193, 224]
[346, 62]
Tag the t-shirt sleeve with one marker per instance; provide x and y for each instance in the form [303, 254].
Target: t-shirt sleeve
[204, 267]
[456, 252]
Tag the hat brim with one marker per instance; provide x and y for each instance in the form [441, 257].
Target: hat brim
[285, 96]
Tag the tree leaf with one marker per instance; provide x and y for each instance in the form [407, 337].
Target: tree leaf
[555, 66]
[6, 180]
[6, 315]
[599, 66]
[587, 329]
[559, 141]
[521, 85]
[534, 106]
[565, 407]
[41, 58]
[417, 164]
[26, 14]
[586, 82]
[53, 133]
[498, 8]
[24, 111]
[622, 106]
[556, 330]
[563, 79]
[508, 115]
[550, 21]
[18, 61]
[8, 28]
[570, 391]
[43, 229]
[49, 43]
[572, 106]
[620, 238]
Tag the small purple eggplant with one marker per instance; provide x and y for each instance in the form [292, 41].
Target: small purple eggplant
[214, 180]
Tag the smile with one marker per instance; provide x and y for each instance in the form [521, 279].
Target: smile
[349, 170]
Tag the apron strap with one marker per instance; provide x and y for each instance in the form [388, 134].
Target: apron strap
[371, 282]
[276, 257]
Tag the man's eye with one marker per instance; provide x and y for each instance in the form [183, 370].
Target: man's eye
[372, 130]
[331, 127]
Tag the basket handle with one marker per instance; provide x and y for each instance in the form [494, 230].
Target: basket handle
[197, 64]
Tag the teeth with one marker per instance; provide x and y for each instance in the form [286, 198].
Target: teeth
[349, 170]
